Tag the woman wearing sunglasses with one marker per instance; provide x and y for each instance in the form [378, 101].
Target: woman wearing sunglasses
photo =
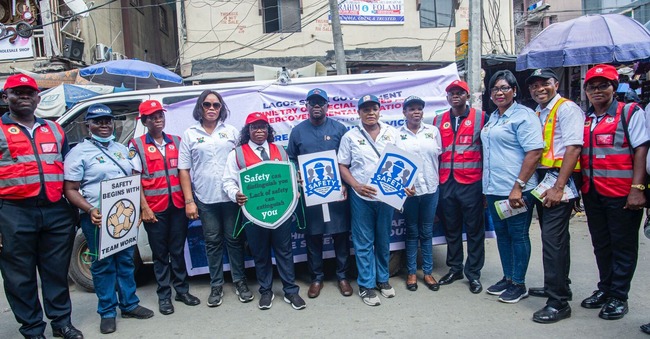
[204, 147]
[512, 145]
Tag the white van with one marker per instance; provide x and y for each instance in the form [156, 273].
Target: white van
[283, 104]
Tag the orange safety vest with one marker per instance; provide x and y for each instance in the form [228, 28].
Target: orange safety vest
[461, 151]
[28, 164]
[549, 159]
[246, 157]
[160, 173]
[606, 159]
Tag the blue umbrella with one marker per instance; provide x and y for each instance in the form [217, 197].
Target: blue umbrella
[56, 100]
[131, 73]
[587, 40]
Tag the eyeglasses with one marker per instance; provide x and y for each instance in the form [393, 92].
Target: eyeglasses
[207, 105]
[317, 102]
[258, 127]
[600, 87]
[502, 89]
[102, 122]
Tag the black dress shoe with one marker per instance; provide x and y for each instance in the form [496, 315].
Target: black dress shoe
[613, 309]
[68, 332]
[549, 314]
[596, 300]
[541, 293]
[187, 299]
[645, 328]
[450, 278]
[165, 306]
[475, 286]
[40, 336]
[107, 325]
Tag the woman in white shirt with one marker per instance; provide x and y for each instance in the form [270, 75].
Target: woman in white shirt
[420, 210]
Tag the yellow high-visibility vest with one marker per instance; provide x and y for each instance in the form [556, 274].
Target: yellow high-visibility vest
[549, 159]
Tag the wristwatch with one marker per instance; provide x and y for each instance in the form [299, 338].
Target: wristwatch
[640, 187]
[521, 183]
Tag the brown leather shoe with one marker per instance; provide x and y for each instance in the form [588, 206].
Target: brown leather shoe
[431, 283]
[345, 288]
[314, 289]
[412, 282]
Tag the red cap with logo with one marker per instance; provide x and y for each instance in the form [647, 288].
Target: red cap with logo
[457, 84]
[150, 107]
[21, 80]
[602, 71]
[256, 117]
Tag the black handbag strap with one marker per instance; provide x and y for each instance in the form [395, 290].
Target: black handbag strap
[371, 143]
[113, 160]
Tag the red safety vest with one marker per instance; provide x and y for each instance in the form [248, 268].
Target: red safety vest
[246, 157]
[606, 159]
[461, 151]
[28, 164]
[160, 173]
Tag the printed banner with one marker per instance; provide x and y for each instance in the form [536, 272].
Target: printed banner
[120, 208]
[321, 179]
[394, 172]
[372, 12]
[14, 47]
[271, 190]
[284, 106]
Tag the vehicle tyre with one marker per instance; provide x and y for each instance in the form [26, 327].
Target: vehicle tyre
[80, 263]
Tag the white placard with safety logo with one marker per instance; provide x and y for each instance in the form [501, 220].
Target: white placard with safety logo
[396, 170]
[120, 209]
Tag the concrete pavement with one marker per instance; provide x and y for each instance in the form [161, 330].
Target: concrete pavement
[451, 311]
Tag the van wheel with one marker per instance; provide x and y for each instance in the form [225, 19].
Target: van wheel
[396, 262]
[80, 263]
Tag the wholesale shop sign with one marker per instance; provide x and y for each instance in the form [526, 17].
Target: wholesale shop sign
[372, 12]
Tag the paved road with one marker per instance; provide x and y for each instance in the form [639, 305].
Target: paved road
[452, 311]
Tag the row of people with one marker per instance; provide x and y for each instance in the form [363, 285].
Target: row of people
[513, 141]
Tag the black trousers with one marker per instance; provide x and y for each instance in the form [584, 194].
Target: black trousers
[315, 255]
[261, 240]
[37, 238]
[462, 205]
[167, 241]
[615, 238]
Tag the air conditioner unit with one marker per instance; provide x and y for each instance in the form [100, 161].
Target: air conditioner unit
[117, 56]
[102, 52]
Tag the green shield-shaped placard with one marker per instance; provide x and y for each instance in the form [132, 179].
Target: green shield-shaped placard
[272, 192]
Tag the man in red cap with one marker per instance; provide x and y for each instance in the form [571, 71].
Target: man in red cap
[155, 156]
[36, 223]
[613, 163]
[461, 197]
[256, 145]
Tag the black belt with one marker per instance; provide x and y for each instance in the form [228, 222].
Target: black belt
[35, 202]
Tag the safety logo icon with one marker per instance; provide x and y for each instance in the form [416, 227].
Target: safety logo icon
[320, 177]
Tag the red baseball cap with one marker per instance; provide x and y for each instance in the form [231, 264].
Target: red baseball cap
[251, 118]
[602, 71]
[457, 84]
[21, 80]
[149, 107]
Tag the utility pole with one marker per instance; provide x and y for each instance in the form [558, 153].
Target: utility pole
[337, 36]
[473, 64]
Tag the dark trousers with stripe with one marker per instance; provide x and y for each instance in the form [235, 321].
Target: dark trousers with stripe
[615, 238]
[37, 238]
[167, 239]
[461, 205]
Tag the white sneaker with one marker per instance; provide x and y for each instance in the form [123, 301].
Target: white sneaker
[386, 289]
[369, 296]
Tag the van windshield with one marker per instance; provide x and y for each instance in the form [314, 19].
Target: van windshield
[125, 113]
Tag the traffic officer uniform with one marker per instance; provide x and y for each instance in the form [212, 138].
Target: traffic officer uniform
[607, 168]
[562, 122]
[158, 165]
[36, 223]
[461, 197]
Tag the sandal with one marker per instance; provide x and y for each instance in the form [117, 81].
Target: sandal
[411, 282]
[431, 283]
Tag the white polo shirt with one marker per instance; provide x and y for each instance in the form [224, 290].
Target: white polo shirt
[427, 144]
[356, 151]
[203, 154]
[231, 172]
